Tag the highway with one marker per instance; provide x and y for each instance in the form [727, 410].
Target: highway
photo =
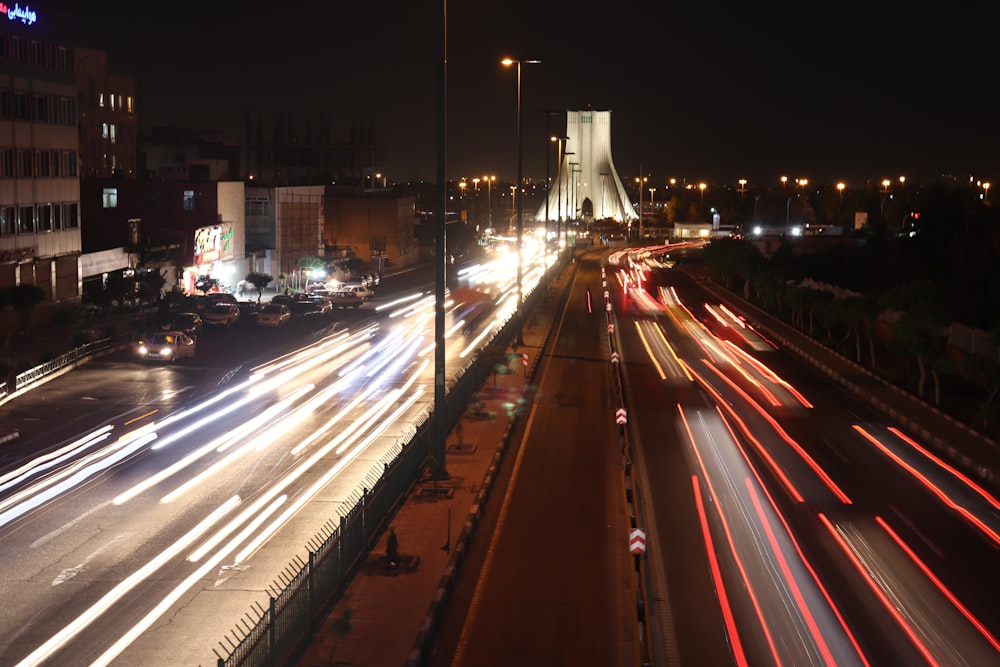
[147, 509]
[806, 528]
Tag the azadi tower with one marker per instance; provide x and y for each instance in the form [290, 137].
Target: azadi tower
[587, 186]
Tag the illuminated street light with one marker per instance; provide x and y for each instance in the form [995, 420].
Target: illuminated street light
[743, 187]
[507, 62]
[986, 191]
[702, 186]
[489, 199]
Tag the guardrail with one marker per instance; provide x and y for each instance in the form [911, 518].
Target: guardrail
[78, 354]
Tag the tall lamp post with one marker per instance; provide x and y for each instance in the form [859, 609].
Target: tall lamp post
[489, 199]
[560, 142]
[507, 62]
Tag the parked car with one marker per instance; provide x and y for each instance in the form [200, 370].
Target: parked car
[222, 314]
[222, 297]
[188, 323]
[248, 310]
[273, 315]
[166, 346]
[310, 307]
[357, 289]
[286, 299]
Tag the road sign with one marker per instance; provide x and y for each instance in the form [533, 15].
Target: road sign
[620, 416]
[614, 357]
[524, 360]
[637, 541]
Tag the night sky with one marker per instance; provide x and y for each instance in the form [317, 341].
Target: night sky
[700, 91]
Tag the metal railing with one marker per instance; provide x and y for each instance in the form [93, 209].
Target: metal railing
[74, 356]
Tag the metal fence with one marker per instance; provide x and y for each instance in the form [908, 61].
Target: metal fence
[71, 358]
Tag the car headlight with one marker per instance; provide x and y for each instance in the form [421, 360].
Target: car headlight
[165, 352]
[143, 350]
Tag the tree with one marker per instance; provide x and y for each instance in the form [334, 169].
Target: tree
[259, 281]
[24, 299]
[150, 285]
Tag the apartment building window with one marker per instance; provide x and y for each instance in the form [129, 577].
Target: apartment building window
[64, 59]
[54, 161]
[24, 163]
[104, 130]
[42, 169]
[112, 133]
[6, 104]
[100, 100]
[109, 198]
[45, 217]
[41, 108]
[6, 220]
[72, 217]
[65, 111]
[189, 200]
[57, 213]
[21, 110]
[68, 164]
[7, 162]
[25, 219]
[129, 103]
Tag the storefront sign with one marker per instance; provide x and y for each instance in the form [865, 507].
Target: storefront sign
[16, 12]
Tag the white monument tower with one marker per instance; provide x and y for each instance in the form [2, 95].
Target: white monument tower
[587, 185]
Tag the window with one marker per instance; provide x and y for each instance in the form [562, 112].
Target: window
[65, 111]
[6, 220]
[189, 200]
[21, 110]
[45, 217]
[72, 217]
[25, 219]
[109, 198]
[6, 103]
[68, 164]
[7, 162]
[54, 161]
[23, 163]
[42, 108]
[42, 169]
[113, 133]
[57, 211]
[100, 100]
[130, 104]
[104, 131]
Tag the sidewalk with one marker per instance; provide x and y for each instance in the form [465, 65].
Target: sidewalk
[391, 614]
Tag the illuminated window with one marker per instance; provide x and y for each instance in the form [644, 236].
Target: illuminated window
[109, 197]
[130, 104]
[104, 130]
[112, 133]
[189, 200]
[100, 100]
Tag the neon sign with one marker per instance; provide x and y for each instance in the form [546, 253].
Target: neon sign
[24, 14]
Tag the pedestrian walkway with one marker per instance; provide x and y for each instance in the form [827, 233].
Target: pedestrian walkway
[386, 617]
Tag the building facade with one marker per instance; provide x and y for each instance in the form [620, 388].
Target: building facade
[107, 118]
[40, 217]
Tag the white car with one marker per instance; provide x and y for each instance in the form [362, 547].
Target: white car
[166, 346]
[356, 289]
[273, 315]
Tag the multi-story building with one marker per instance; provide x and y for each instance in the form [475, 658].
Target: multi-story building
[39, 152]
[106, 118]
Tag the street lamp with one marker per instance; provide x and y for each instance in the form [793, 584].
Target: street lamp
[743, 187]
[489, 199]
[702, 186]
[986, 191]
[507, 62]
[560, 144]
